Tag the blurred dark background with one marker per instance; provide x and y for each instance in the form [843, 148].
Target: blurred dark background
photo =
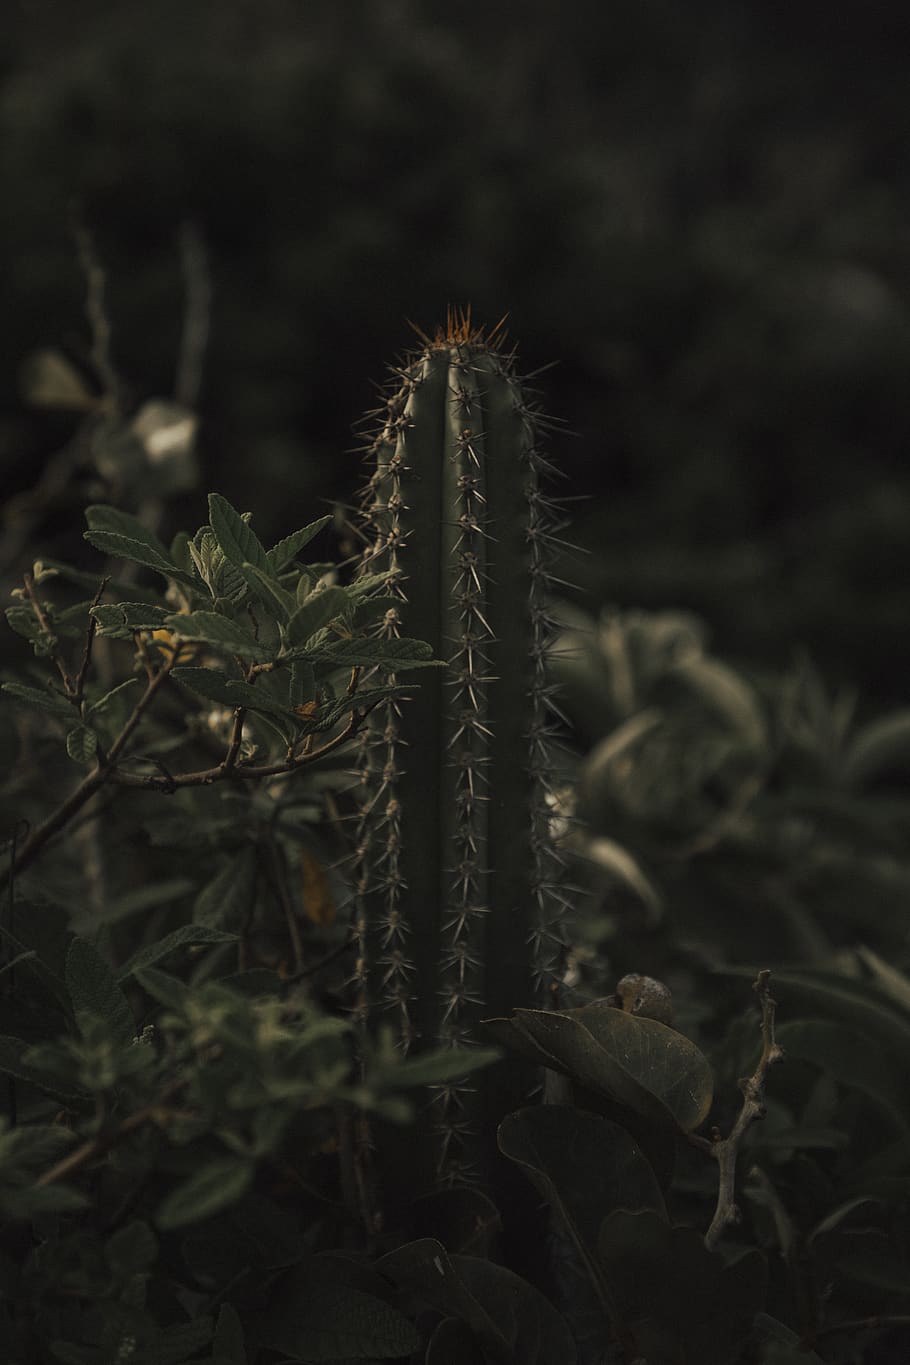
[698, 211]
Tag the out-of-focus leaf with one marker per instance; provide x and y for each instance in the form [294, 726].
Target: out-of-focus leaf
[49, 380]
[852, 1059]
[878, 749]
[895, 984]
[621, 865]
[209, 1190]
[228, 899]
[154, 952]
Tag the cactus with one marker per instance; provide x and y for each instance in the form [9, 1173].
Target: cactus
[459, 896]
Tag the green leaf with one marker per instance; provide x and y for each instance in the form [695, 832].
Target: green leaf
[124, 547]
[585, 1167]
[853, 1059]
[239, 543]
[287, 550]
[168, 990]
[511, 1319]
[856, 1004]
[639, 1062]
[214, 1187]
[119, 620]
[154, 952]
[103, 702]
[302, 686]
[453, 1344]
[93, 987]
[39, 701]
[227, 901]
[676, 1292]
[394, 654]
[208, 683]
[314, 1316]
[81, 745]
[182, 1340]
[213, 629]
[131, 1249]
[142, 898]
[228, 1342]
[439, 1066]
[101, 517]
[315, 613]
[275, 598]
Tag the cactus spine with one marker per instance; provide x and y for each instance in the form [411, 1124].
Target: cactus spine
[460, 904]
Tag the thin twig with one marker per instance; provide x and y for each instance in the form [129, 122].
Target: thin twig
[235, 741]
[79, 686]
[95, 310]
[97, 1146]
[725, 1150]
[37, 606]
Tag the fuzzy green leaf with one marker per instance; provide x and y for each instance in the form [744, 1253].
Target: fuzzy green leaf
[239, 543]
[93, 987]
[274, 597]
[315, 613]
[216, 1186]
[209, 683]
[120, 620]
[394, 654]
[81, 745]
[39, 701]
[213, 629]
[287, 550]
[103, 702]
[139, 552]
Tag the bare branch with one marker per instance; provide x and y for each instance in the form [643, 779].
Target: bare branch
[197, 284]
[725, 1150]
[158, 1111]
[96, 311]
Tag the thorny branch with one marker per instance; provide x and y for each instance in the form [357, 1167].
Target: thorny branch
[725, 1150]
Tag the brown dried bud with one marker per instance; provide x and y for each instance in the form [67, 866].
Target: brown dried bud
[646, 997]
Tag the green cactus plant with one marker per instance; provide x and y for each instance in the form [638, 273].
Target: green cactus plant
[460, 894]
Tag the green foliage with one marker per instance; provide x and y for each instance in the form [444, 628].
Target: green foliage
[193, 1163]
